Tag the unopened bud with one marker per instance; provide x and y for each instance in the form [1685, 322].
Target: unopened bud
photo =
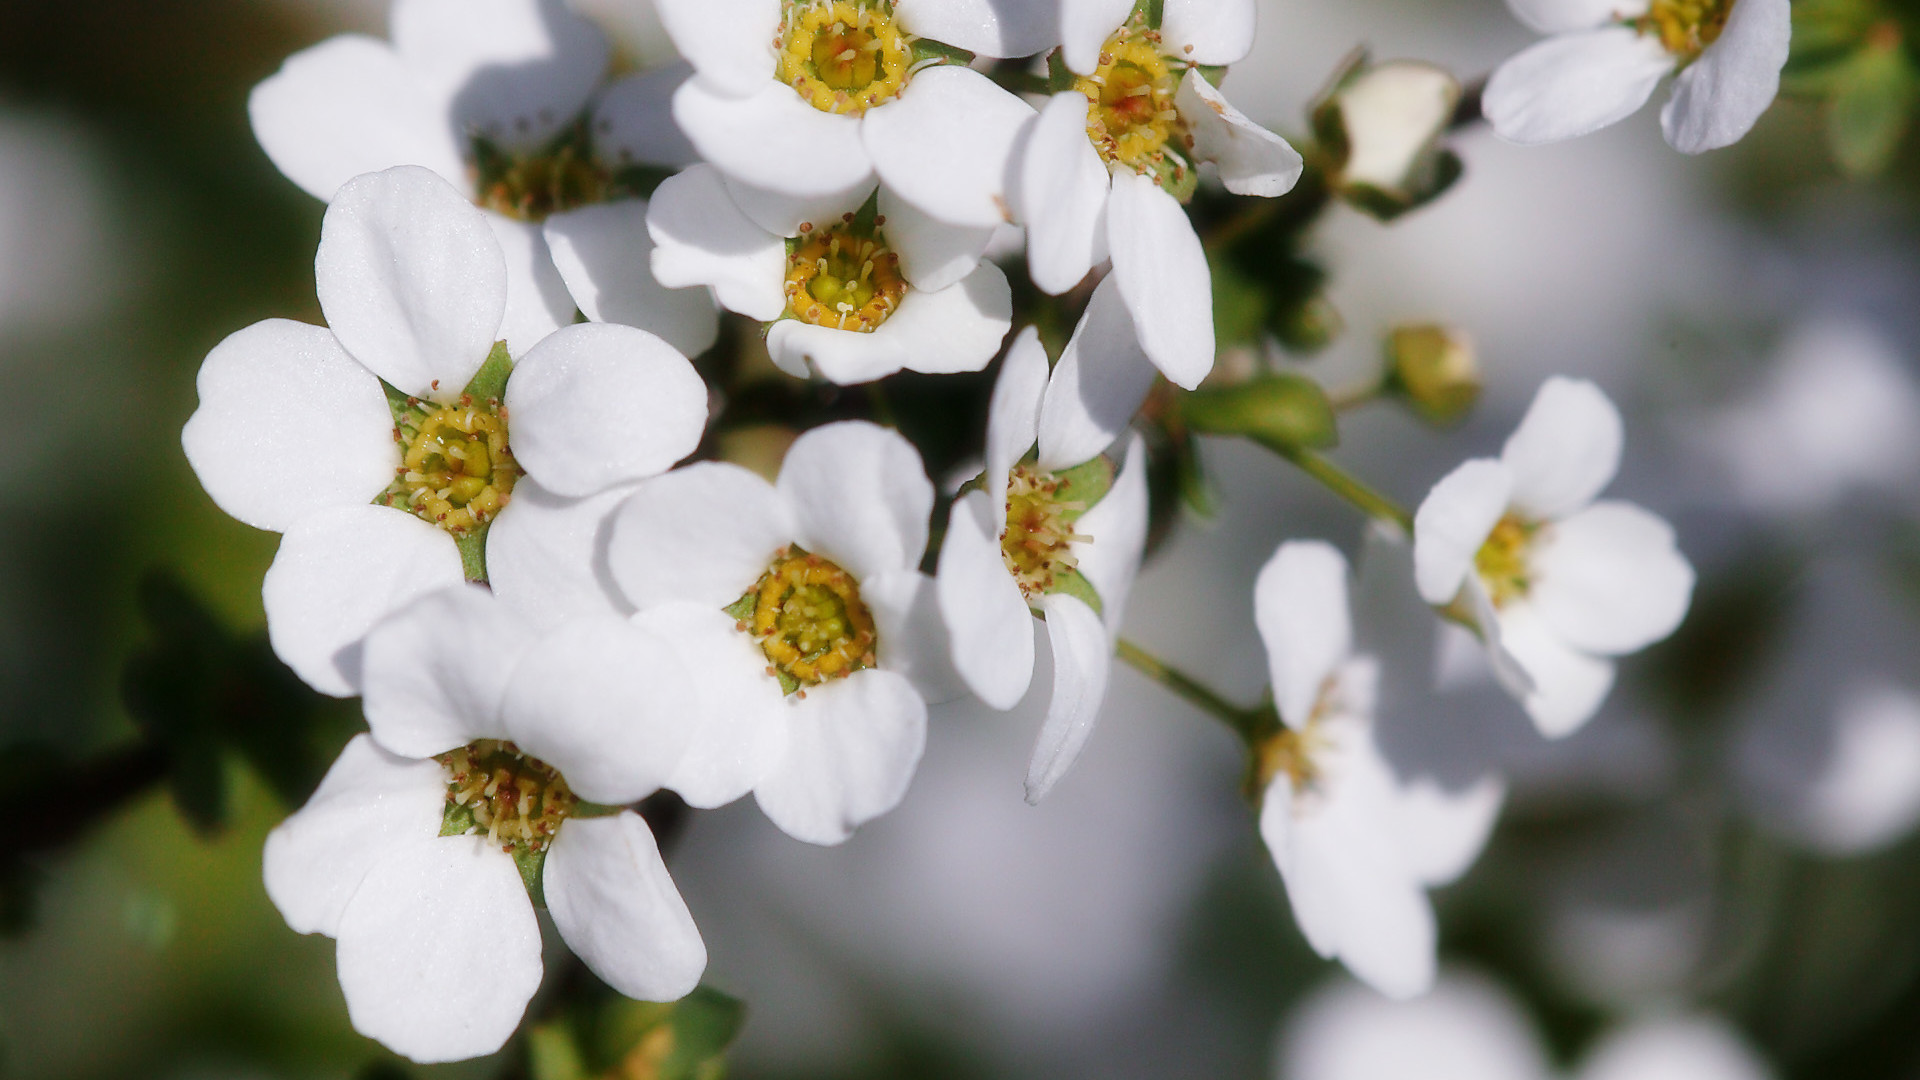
[1386, 121]
[1435, 369]
[1285, 412]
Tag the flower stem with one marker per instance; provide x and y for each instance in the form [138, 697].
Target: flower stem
[1351, 488]
[1247, 723]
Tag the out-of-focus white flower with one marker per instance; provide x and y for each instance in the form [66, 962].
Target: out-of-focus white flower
[1838, 411]
[1390, 118]
[294, 432]
[1107, 164]
[1558, 583]
[423, 845]
[1604, 57]
[799, 609]
[858, 298]
[1061, 536]
[1696, 1048]
[505, 100]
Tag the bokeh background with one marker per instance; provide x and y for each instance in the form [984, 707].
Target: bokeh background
[1730, 840]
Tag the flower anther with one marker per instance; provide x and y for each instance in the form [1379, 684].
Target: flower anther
[841, 279]
[565, 175]
[457, 470]
[1131, 117]
[1504, 561]
[1685, 27]
[843, 56]
[1037, 542]
[808, 617]
[519, 801]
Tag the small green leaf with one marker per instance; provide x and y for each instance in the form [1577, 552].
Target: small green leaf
[1075, 584]
[490, 382]
[1086, 483]
[1873, 96]
[1286, 412]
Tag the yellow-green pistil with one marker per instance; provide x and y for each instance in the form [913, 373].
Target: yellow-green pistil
[1685, 27]
[810, 622]
[457, 469]
[1504, 561]
[519, 801]
[1037, 544]
[840, 279]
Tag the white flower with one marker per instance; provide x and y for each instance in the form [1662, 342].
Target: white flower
[1557, 582]
[1053, 536]
[421, 849]
[1391, 115]
[1605, 57]
[858, 297]
[810, 98]
[1107, 164]
[294, 432]
[799, 609]
[504, 100]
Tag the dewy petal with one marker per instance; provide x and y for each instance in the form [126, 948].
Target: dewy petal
[1162, 273]
[985, 612]
[702, 238]
[853, 748]
[412, 280]
[599, 404]
[1564, 16]
[1452, 523]
[435, 671]
[1566, 449]
[1568, 685]
[944, 144]
[1082, 661]
[607, 703]
[1610, 579]
[859, 496]
[933, 254]
[1100, 382]
[349, 106]
[984, 27]
[1208, 31]
[270, 396]
[773, 139]
[912, 634]
[1085, 26]
[704, 533]
[537, 298]
[1300, 606]
[1061, 189]
[369, 803]
[958, 328]
[1118, 526]
[728, 42]
[617, 908]
[340, 571]
[842, 357]
[1252, 160]
[1574, 84]
[739, 728]
[1013, 419]
[1719, 96]
[547, 555]
[605, 255]
[515, 71]
[633, 120]
[407, 959]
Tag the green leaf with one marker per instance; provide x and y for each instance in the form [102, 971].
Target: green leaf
[1873, 96]
[490, 382]
[1286, 412]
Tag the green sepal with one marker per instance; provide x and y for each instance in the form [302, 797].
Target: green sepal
[1060, 77]
[618, 1037]
[458, 820]
[1215, 74]
[865, 220]
[1151, 12]
[1075, 584]
[1441, 170]
[473, 555]
[1285, 412]
[742, 609]
[490, 382]
[405, 408]
[1873, 98]
[1086, 483]
[925, 49]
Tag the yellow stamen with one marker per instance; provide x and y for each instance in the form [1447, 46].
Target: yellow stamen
[843, 56]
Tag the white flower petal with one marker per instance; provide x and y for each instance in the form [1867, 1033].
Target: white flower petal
[1162, 273]
[773, 139]
[704, 533]
[340, 571]
[1674, 1049]
[784, 213]
[1392, 115]
[607, 703]
[1100, 382]
[435, 672]
[986, 613]
[515, 71]
[1564, 16]
[605, 255]
[1441, 831]
[1566, 449]
[1610, 579]
[1208, 31]
[1574, 84]
[933, 254]
[270, 396]
[1061, 191]
[944, 144]
[412, 976]
[412, 280]
[859, 496]
[854, 745]
[369, 803]
[599, 404]
[740, 727]
[349, 106]
[1459, 670]
[1468, 1028]
[617, 908]
[1082, 661]
[1568, 685]
[1453, 522]
[842, 357]
[547, 555]
[537, 298]
[1085, 26]
[729, 42]
[1118, 525]
[984, 27]
[1719, 96]
[1300, 606]
[959, 328]
[633, 120]
[702, 238]
[1252, 160]
[1013, 418]
[912, 634]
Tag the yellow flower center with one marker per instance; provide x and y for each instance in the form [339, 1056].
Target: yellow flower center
[1131, 116]
[1504, 561]
[843, 56]
[456, 470]
[566, 175]
[807, 614]
[518, 800]
[1685, 27]
[1286, 751]
[1037, 542]
[839, 279]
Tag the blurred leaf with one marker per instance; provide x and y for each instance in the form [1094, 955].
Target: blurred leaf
[1286, 412]
[1873, 98]
[1826, 34]
[617, 1038]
